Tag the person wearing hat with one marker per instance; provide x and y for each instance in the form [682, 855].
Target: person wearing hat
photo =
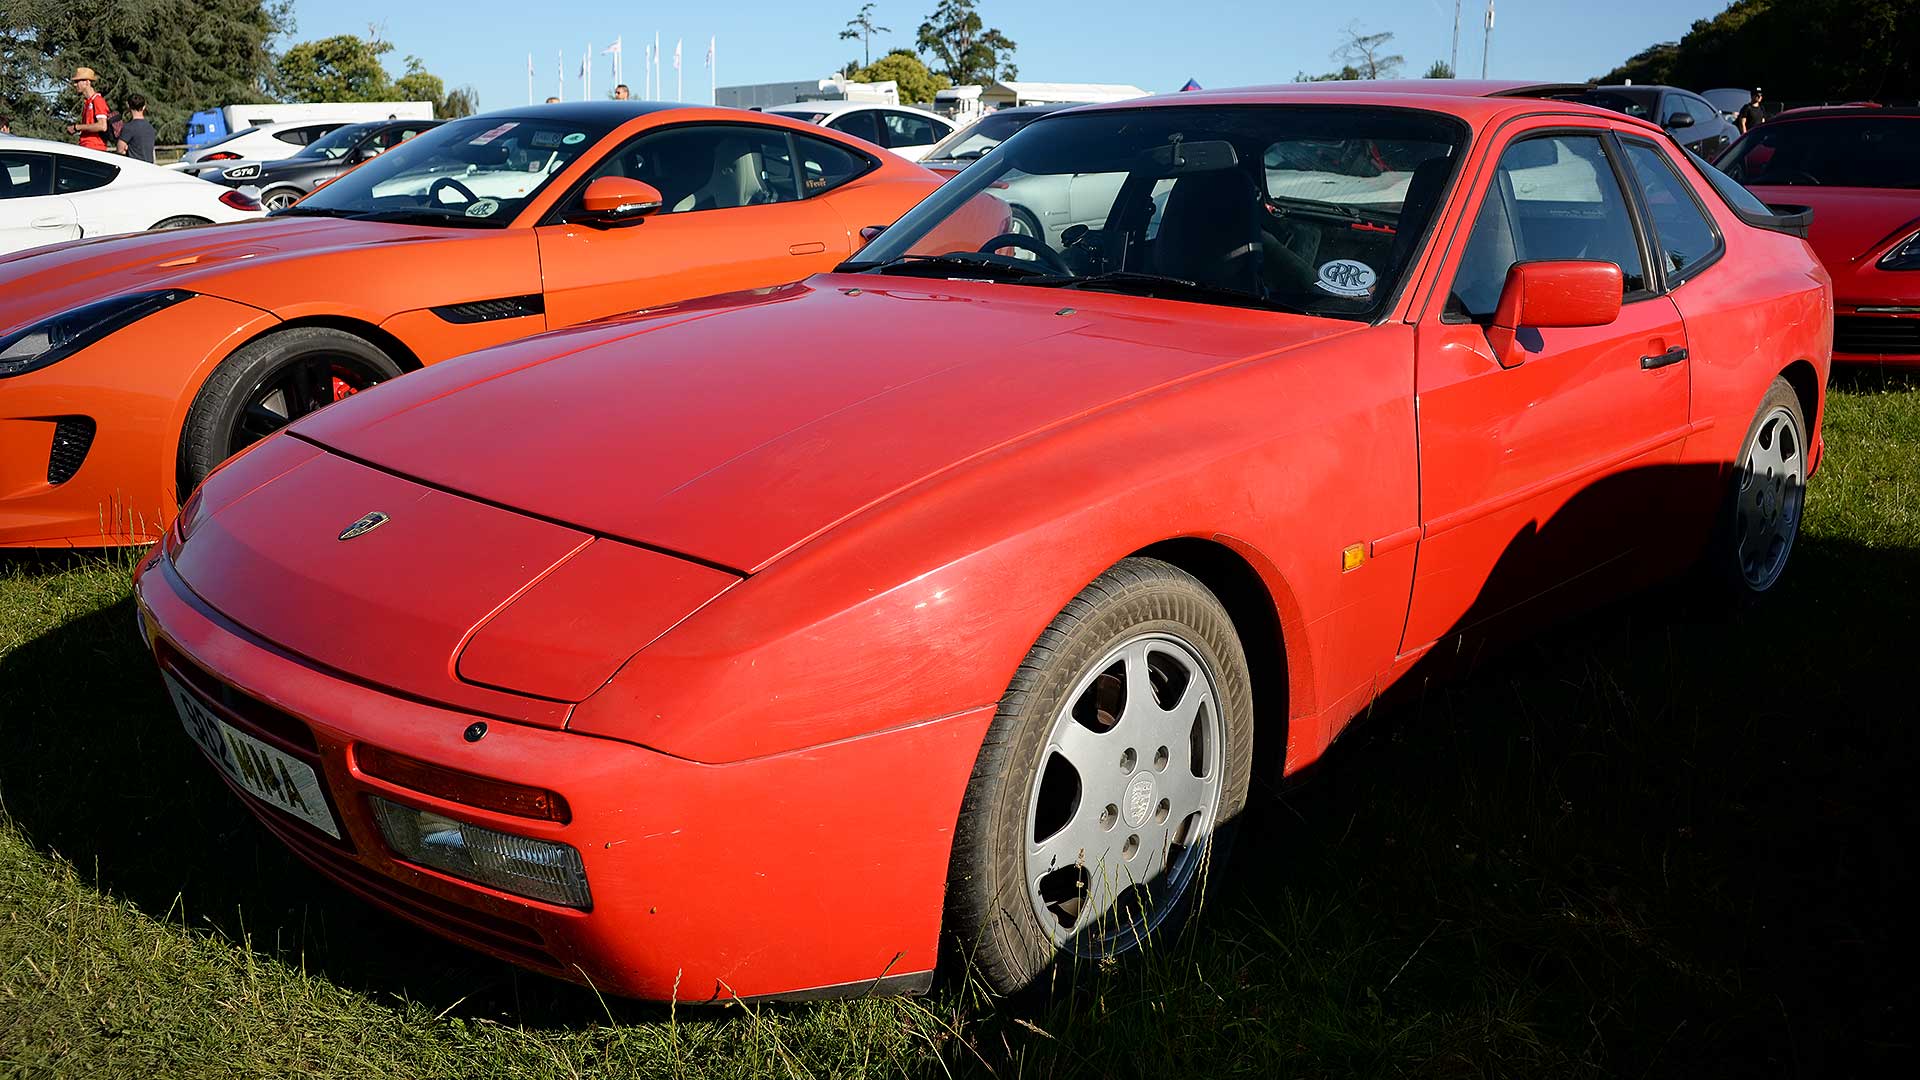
[92, 127]
[1752, 114]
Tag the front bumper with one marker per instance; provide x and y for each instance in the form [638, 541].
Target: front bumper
[128, 394]
[821, 870]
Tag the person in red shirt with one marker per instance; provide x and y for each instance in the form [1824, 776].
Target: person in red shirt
[92, 127]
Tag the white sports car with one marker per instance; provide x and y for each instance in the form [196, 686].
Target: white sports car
[51, 192]
[268, 142]
[906, 131]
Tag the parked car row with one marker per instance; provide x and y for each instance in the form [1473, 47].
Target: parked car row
[52, 192]
[810, 559]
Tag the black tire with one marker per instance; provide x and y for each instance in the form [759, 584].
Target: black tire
[290, 194]
[183, 221]
[992, 919]
[220, 424]
[1728, 568]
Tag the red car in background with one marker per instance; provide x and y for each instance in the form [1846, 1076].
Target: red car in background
[746, 646]
[1859, 169]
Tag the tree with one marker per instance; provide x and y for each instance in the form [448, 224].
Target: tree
[963, 47]
[1440, 70]
[340, 68]
[916, 83]
[860, 28]
[1799, 50]
[418, 84]
[182, 55]
[1365, 53]
[1345, 74]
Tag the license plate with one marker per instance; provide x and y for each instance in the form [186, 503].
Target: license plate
[268, 773]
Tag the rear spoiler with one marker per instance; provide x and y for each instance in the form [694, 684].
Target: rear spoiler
[1789, 218]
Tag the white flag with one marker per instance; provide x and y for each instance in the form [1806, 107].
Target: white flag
[676, 54]
[710, 43]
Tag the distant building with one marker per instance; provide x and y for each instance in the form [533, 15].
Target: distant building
[768, 95]
[1002, 94]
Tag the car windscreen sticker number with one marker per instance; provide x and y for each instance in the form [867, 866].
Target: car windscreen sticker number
[491, 134]
[1347, 277]
[575, 139]
[483, 208]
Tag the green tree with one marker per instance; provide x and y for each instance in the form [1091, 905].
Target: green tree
[963, 47]
[343, 67]
[916, 83]
[861, 28]
[1440, 70]
[1799, 50]
[182, 55]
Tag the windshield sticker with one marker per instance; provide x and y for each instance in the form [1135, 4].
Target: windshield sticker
[575, 139]
[545, 140]
[1347, 277]
[483, 208]
[491, 134]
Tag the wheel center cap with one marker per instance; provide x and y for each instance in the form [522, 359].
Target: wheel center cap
[1139, 800]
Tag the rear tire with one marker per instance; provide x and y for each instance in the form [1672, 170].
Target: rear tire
[184, 221]
[1120, 755]
[270, 382]
[1761, 510]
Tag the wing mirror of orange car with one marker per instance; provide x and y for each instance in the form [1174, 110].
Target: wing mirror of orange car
[870, 233]
[1549, 294]
[618, 200]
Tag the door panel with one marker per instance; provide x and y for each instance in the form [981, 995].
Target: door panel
[1536, 475]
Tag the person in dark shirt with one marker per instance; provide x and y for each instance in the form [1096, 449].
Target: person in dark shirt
[1753, 113]
[136, 134]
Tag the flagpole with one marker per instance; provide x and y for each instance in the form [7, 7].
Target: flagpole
[1486, 43]
[679, 77]
[560, 74]
[529, 78]
[713, 77]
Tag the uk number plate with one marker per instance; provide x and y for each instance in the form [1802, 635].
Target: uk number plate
[268, 773]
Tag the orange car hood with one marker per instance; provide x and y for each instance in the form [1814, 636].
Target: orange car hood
[245, 262]
[736, 428]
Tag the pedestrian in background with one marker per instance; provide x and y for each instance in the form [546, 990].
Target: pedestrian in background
[92, 127]
[6, 124]
[1753, 113]
[136, 134]
[621, 93]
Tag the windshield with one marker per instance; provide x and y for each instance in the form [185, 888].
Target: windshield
[1310, 209]
[1851, 151]
[976, 139]
[1636, 105]
[336, 143]
[477, 172]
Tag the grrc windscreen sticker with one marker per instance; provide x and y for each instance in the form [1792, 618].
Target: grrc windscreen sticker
[1347, 277]
[483, 208]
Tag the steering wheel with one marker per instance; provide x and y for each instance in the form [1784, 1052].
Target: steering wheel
[1798, 176]
[445, 182]
[1032, 244]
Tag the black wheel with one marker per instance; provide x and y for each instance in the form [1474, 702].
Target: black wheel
[1760, 513]
[1120, 753]
[184, 221]
[280, 198]
[270, 383]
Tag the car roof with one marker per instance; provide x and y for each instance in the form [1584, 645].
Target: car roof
[609, 112]
[1474, 100]
[835, 108]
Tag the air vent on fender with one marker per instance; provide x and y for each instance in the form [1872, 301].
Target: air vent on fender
[505, 307]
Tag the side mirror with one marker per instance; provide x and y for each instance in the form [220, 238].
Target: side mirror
[1680, 120]
[870, 233]
[1550, 294]
[618, 200]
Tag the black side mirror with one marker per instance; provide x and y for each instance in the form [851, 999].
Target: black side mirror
[1680, 120]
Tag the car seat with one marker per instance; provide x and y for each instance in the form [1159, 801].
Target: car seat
[735, 180]
[1210, 231]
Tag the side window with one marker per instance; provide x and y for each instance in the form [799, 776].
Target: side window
[73, 174]
[709, 168]
[906, 129]
[860, 125]
[24, 175]
[825, 165]
[1703, 114]
[1552, 197]
[1685, 238]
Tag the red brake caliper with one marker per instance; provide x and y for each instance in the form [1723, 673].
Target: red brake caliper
[341, 388]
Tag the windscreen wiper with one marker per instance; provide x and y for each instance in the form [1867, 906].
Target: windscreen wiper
[965, 263]
[420, 215]
[309, 211]
[1171, 288]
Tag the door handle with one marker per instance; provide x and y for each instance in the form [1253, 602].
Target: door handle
[50, 223]
[1671, 356]
[813, 248]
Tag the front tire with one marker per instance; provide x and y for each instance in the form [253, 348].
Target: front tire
[1760, 514]
[1121, 750]
[269, 383]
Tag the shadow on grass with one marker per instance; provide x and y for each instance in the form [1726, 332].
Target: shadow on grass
[1659, 840]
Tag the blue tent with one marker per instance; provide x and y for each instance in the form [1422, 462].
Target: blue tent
[1192, 84]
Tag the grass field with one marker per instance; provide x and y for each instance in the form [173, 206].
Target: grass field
[1655, 841]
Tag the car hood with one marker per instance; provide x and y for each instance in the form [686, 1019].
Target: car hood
[229, 261]
[734, 429]
[1850, 223]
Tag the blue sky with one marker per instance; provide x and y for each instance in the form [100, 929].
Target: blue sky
[1156, 44]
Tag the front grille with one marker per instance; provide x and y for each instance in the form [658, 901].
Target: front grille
[1876, 334]
[72, 438]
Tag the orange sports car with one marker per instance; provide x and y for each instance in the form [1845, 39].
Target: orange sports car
[130, 367]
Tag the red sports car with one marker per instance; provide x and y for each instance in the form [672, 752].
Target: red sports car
[745, 646]
[1858, 168]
